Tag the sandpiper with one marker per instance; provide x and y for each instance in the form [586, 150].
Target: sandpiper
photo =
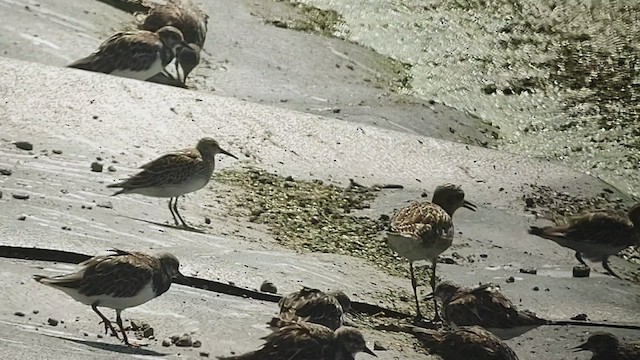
[595, 235]
[117, 281]
[175, 174]
[307, 341]
[191, 20]
[467, 342]
[606, 346]
[314, 306]
[423, 230]
[134, 54]
[483, 305]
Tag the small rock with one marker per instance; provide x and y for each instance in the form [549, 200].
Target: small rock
[484, 256]
[268, 287]
[135, 325]
[288, 178]
[24, 145]
[490, 89]
[6, 172]
[18, 313]
[207, 221]
[36, 311]
[85, 333]
[204, 354]
[174, 338]
[111, 168]
[52, 322]
[106, 205]
[424, 194]
[0, 194]
[529, 202]
[96, 166]
[377, 345]
[581, 271]
[99, 158]
[536, 288]
[167, 342]
[20, 196]
[56, 151]
[65, 227]
[22, 217]
[196, 344]
[511, 279]
[447, 260]
[147, 332]
[580, 317]
[530, 270]
[184, 341]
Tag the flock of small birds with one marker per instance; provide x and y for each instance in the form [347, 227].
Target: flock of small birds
[311, 323]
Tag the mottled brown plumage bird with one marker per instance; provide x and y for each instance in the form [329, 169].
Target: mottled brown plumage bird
[117, 281]
[423, 230]
[314, 306]
[595, 235]
[306, 341]
[483, 305]
[606, 346]
[175, 174]
[465, 343]
[134, 54]
[191, 20]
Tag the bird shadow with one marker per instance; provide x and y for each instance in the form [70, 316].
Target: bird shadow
[176, 227]
[119, 348]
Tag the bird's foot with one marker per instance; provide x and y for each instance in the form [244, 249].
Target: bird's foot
[107, 327]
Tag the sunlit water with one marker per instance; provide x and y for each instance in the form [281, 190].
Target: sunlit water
[560, 78]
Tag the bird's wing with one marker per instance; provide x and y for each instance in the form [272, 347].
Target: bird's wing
[171, 168]
[425, 220]
[312, 305]
[300, 341]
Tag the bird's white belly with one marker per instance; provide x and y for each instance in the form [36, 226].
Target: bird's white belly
[174, 190]
[140, 298]
[413, 249]
[153, 70]
[591, 251]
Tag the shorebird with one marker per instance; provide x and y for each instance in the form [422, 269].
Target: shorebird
[134, 54]
[314, 306]
[606, 346]
[175, 174]
[423, 230]
[483, 305]
[306, 341]
[191, 20]
[467, 342]
[117, 281]
[595, 235]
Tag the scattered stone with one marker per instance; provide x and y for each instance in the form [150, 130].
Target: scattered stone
[184, 341]
[196, 344]
[20, 196]
[147, 332]
[18, 313]
[6, 172]
[268, 287]
[490, 89]
[56, 151]
[65, 227]
[207, 221]
[22, 217]
[581, 271]
[167, 342]
[529, 202]
[0, 194]
[85, 333]
[377, 345]
[536, 288]
[580, 317]
[204, 354]
[111, 168]
[36, 311]
[447, 260]
[529, 270]
[106, 205]
[511, 279]
[484, 256]
[52, 322]
[174, 338]
[99, 336]
[96, 166]
[135, 325]
[24, 145]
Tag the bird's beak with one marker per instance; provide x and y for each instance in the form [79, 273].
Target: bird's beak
[181, 279]
[369, 351]
[582, 347]
[468, 205]
[222, 151]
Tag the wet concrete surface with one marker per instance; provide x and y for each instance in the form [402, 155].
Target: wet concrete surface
[84, 116]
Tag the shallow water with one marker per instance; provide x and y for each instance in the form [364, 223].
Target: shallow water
[559, 78]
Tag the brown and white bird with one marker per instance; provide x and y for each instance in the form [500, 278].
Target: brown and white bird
[314, 306]
[423, 230]
[483, 305]
[134, 54]
[606, 346]
[191, 20]
[468, 343]
[117, 281]
[595, 236]
[306, 341]
[175, 174]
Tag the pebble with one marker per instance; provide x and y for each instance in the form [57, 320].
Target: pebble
[536, 288]
[580, 317]
[147, 332]
[184, 341]
[204, 354]
[111, 168]
[20, 196]
[24, 145]
[22, 217]
[268, 287]
[581, 271]
[166, 342]
[18, 313]
[484, 256]
[36, 311]
[96, 166]
[106, 205]
[196, 344]
[65, 227]
[532, 271]
[529, 202]
[174, 338]
[6, 172]
[511, 279]
[0, 194]
[207, 221]
[52, 322]
[377, 345]
[56, 151]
